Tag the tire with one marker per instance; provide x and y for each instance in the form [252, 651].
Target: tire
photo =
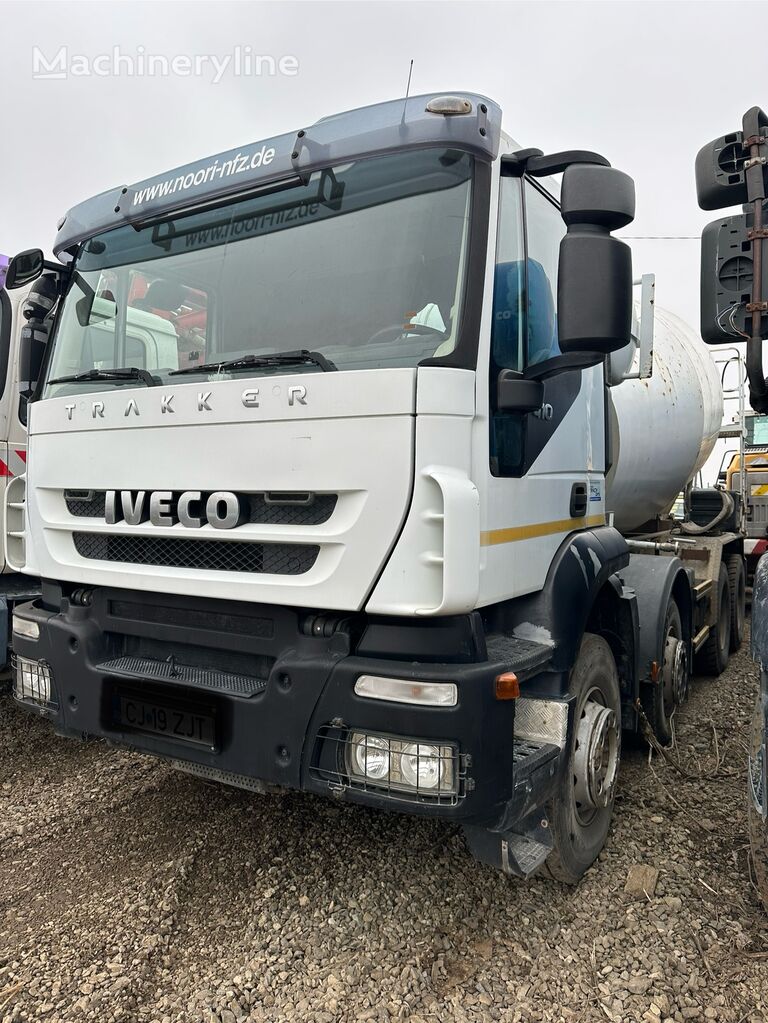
[659, 700]
[737, 588]
[579, 830]
[758, 828]
[713, 656]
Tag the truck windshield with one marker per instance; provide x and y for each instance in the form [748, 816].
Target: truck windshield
[363, 266]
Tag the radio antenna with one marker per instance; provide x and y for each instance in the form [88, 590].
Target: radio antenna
[407, 90]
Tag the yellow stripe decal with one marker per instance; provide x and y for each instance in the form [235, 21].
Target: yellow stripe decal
[514, 533]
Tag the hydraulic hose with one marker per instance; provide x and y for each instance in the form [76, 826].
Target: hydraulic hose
[727, 508]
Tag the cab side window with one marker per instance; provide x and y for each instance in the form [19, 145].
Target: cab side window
[544, 230]
[508, 328]
[508, 339]
[524, 324]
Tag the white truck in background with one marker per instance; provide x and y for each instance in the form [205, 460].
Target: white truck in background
[14, 587]
[349, 474]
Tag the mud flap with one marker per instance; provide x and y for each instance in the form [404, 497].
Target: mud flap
[519, 843]
[517, 853]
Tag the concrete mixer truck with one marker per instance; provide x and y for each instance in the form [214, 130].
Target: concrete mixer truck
[349, 473]
[732, 170]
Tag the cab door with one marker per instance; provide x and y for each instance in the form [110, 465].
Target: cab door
[545, 470]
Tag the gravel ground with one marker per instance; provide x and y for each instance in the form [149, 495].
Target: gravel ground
[131, 892]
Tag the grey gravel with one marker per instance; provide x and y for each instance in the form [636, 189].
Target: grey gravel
[133, 893]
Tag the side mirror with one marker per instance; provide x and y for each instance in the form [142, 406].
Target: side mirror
[720, 176]
[728, 278]
[24, 268]
[37, 312]
[594, 291]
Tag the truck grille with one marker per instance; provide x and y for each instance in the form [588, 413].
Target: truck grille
[215, 555]
[142, 668]
[280, 509]
[90, 505]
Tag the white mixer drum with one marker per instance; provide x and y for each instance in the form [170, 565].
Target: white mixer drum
[663, 429]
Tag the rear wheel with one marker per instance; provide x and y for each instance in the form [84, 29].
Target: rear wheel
[737, 587]
[671, 689]
[581, 814]
[713, 657]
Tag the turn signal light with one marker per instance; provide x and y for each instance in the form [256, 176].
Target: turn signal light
[507, 686]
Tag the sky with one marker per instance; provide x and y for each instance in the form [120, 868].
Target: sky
[643, 83]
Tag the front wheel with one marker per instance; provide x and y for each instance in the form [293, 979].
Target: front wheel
[580, 815]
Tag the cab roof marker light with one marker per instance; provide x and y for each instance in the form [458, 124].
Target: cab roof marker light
[402, 690]
[451, 106]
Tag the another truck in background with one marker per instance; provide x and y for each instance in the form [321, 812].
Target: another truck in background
[753, 456]
[732, 170]
[14, 587]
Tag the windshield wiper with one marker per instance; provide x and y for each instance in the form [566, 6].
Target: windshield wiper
[302, 357]
[123, 373]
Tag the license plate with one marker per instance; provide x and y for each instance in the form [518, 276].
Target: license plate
[183, 724]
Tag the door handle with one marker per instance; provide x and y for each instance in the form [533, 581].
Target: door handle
[578, 508]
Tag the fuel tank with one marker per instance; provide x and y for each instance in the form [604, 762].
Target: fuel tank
[663, 429]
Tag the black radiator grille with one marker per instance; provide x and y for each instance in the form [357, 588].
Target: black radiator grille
[284, 509]
[92, 504]
[216, 555]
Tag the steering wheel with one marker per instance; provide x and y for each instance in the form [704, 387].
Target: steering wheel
[400, 329]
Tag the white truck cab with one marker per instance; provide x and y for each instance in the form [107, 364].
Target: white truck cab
[319, 450]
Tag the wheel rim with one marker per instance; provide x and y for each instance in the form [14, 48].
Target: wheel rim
[596, 757]
[675, 673]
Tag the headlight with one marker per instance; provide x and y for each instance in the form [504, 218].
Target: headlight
[26, 627]
[370, 756]
[423, 766]
[32, 680]
[402, 765]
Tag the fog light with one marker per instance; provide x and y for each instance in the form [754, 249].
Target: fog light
[26, 627]
[421, 766]
[370, 756]
[32, 680]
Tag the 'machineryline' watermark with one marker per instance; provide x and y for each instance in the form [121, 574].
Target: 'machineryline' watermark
[241, 62]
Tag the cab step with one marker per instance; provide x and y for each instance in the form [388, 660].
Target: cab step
[523, 656]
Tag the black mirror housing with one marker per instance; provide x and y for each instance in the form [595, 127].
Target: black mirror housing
[24, 268]
[598, 196]
[594, 291]
[720, 176]
[727, 276]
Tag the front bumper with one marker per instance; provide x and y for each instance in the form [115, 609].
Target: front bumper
[280, 686]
